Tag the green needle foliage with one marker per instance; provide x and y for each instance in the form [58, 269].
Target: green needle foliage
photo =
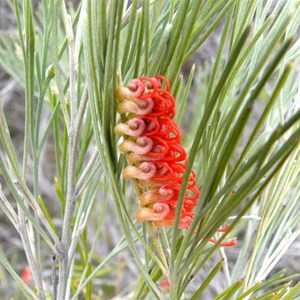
[240, 118]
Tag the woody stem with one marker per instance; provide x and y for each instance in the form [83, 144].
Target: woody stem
[154, 232]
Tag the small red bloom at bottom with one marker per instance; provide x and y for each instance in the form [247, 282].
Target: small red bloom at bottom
[164, 284]
[227, 243]
[26, 275]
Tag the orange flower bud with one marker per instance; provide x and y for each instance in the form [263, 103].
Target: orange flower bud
[157, 212]
[134, 127]
[156, 195]
[145, 171]
[142, 145]
[141, 107]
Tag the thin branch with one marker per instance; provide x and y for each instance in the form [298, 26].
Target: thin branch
[81, 181]
[76, 235]
[72, 146]
[81, 111]
[32, 259]
[54, 276]
[40, 214]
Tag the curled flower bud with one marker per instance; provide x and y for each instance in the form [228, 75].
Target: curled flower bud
[135, 158]
[142, 145]
[141, 107]
[156, 195]
[126, 93]
[184, 223]
[134, 127]
[152, 184]
[136, 88]
[157, 212]
[145, 171]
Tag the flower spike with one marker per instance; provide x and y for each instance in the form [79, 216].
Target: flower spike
[157, 160]
[152, 145]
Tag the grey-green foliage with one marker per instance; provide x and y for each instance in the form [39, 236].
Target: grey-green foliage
[71, 61]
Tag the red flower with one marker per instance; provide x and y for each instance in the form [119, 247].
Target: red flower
[156, 158]
[164, 284]
[152, 144]
[26, 275]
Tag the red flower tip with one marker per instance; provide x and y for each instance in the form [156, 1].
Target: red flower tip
[26, 275]
[152, 144]
[228, 243]
[164, 284]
